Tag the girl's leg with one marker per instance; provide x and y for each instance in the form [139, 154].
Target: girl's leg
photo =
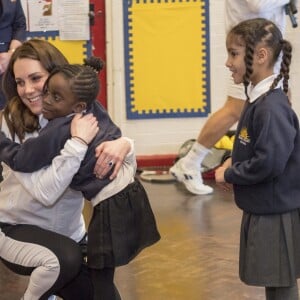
[103, 282]
[280, 293]
[35, 256]
[66, 250]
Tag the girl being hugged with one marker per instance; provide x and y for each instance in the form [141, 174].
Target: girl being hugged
[265, 160]
[123, 223]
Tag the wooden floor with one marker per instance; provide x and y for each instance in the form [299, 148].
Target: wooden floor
[196, 259]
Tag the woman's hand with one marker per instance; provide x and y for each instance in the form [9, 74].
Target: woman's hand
[109, 154]
[84, 127]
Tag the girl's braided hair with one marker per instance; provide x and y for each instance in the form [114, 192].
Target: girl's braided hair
[84, 81]
[254, 31]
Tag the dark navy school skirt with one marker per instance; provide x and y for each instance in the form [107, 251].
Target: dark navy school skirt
[121, 227]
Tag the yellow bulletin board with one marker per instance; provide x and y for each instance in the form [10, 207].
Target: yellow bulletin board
[75, 51]
[166, 58]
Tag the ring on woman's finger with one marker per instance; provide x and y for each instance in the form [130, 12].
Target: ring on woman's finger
[110, 163]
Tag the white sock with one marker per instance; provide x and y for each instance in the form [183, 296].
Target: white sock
[195, 157]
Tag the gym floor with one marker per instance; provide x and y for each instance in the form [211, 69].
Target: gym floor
[196, 258]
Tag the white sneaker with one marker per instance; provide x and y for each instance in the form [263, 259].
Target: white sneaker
[191, 179]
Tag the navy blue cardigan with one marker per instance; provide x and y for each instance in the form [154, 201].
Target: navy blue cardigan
[265, 168]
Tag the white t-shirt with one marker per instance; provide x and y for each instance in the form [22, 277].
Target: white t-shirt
[240, 10]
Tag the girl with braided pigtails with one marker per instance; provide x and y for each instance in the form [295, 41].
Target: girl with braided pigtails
[265, 163]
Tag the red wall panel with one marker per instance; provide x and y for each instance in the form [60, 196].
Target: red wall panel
[98, 40]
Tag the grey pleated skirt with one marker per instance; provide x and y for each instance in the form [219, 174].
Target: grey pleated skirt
[270, 249]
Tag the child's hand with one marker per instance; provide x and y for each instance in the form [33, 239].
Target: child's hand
[219, 176]
[227, 163]
[84, 127]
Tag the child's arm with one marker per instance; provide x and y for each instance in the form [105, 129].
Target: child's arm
[273, 141]
[48, 184]
[38, 152]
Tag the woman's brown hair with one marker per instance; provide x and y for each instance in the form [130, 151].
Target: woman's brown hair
[19, 118]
